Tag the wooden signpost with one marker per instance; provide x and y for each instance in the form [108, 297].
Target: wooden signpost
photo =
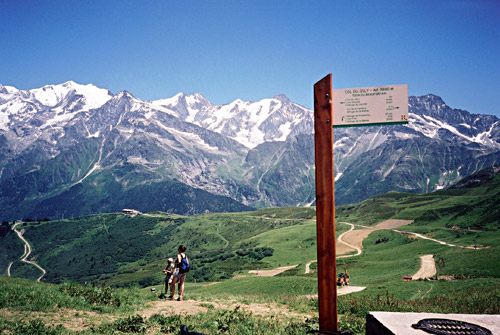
[325, 204]
[352, 107]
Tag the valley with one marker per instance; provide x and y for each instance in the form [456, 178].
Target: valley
[355, 240]
[258, 267]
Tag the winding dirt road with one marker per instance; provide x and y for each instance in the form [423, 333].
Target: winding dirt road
[352, 240]
[27, 252]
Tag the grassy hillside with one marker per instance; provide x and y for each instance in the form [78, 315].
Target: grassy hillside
[119, 250]
[470, 208]
[11, 247]
[54, 309]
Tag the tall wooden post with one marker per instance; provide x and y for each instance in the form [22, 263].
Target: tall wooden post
[325, 204]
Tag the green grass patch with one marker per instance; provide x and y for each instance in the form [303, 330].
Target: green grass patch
[259, 288]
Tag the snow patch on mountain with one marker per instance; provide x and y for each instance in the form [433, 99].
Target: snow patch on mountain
[485, 137]
[249, 123]
[183, 106]
[49, 105]
[187, 139]
[51, 95]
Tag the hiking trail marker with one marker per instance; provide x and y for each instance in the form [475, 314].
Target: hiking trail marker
[368, 106]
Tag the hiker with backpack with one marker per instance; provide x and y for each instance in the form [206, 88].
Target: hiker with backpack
[181, 268]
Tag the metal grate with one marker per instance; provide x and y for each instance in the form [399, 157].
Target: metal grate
[450, 327]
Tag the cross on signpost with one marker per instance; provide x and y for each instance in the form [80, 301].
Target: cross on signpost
[353, 107]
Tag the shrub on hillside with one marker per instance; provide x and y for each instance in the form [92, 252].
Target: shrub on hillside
[37, 327]
[256, 253]
[132, 324]
[148, 281]
[94, 295]
[4, 228]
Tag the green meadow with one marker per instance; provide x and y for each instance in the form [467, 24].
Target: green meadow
[101, 268]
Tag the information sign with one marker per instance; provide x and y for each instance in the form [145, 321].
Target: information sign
[368, 106]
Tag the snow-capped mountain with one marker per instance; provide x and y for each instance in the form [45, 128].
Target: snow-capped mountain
[434, 119]
[74, 149]
[26, 116]
[249, 123]
[68, 97]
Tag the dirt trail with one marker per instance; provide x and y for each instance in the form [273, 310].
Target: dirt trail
[353, 240]
[27, 252]
[340, 291]
[427, 268]
[392, 223]
[8, 268]
[273, 272]
[349, 241]
[192, 307]
[308, 266]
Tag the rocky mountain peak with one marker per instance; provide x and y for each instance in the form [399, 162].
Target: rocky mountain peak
[281, 97]
[124, 95]
[3, 90]
[76, 138]
[434, 106]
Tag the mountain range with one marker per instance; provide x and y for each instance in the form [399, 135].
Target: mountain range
[69, 150]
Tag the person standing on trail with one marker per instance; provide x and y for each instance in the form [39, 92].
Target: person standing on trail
[169, 274]
[346, 277]
[181, 268]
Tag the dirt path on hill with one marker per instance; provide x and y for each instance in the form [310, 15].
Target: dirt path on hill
[349, 241]
[273, 272]
[27, 252]
[352, 240]
[308, 266]
[192, 307]
[427, 268]
[425, 237]
[392, 223]
[438, 241]
[340, 291]
[8, 268]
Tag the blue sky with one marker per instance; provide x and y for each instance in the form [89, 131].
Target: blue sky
[230, 49]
